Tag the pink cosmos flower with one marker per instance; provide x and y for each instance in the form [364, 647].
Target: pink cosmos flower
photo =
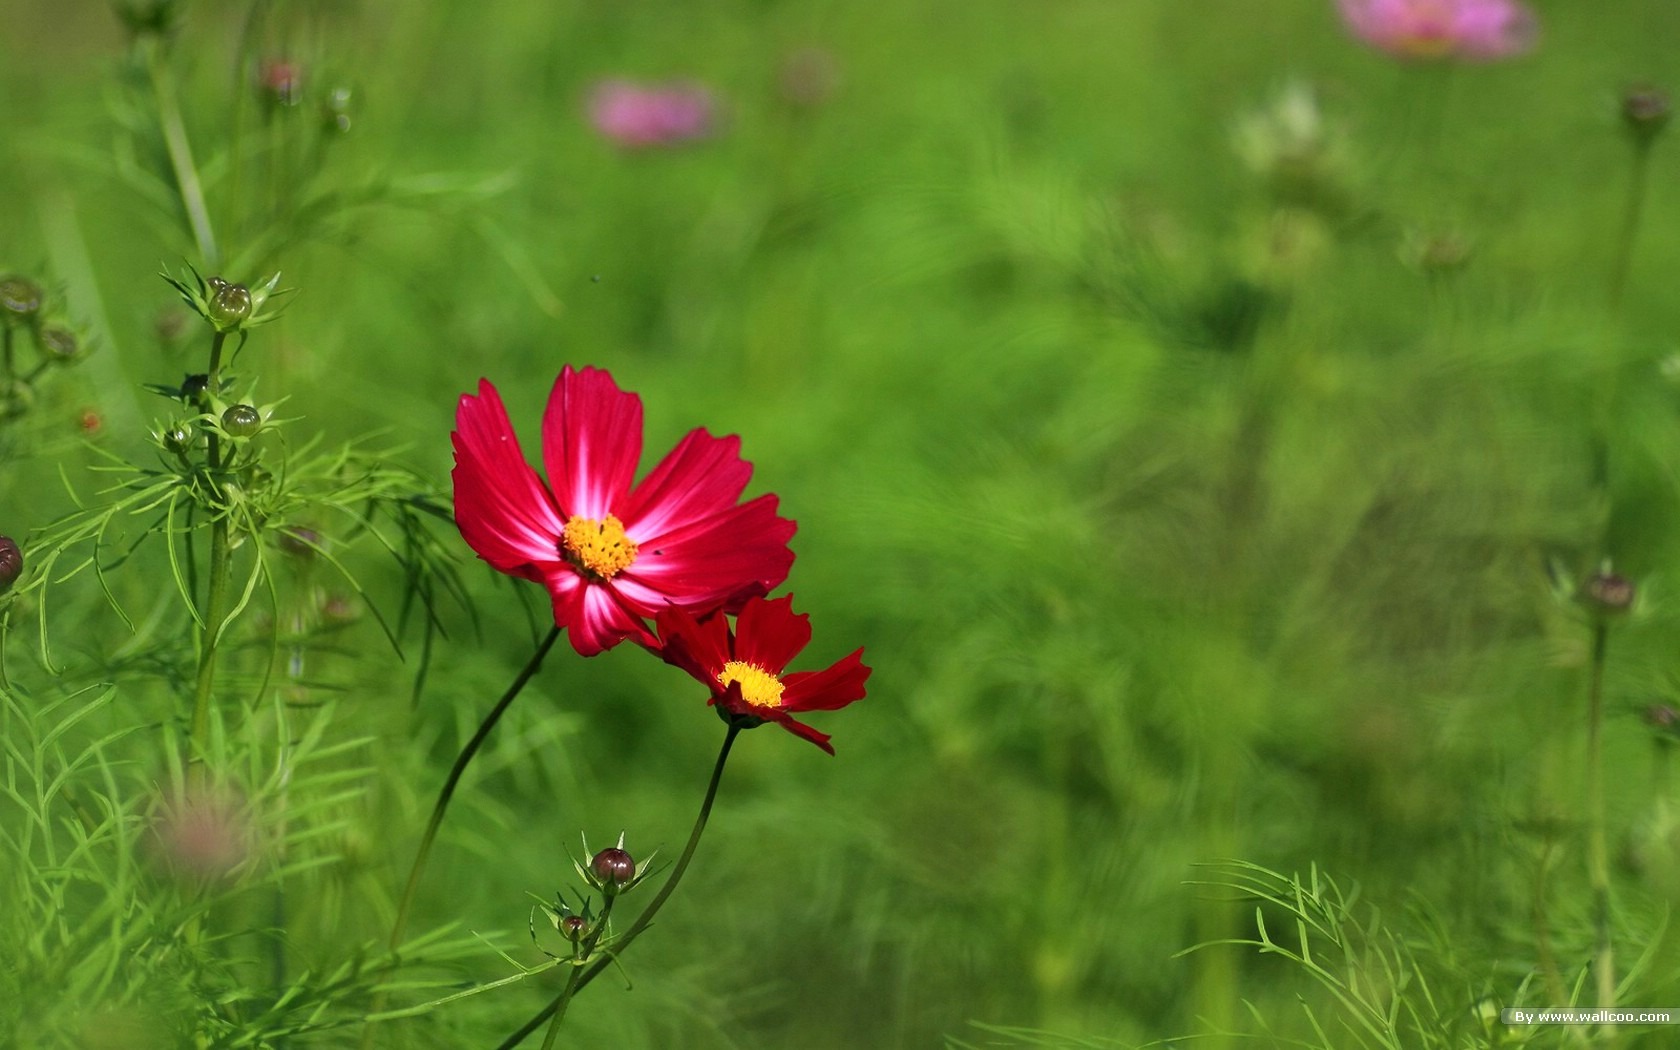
[638, 116]
[613, 554]
[745, 669]
[1425, 29]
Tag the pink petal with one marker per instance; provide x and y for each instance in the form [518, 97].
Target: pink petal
[594, 618]
[501, 507]
[708, 563]
[702, 476]
[592, 441]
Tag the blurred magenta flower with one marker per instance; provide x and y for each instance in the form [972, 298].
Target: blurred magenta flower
[1426, 29]
[637, 116]
[612, 553]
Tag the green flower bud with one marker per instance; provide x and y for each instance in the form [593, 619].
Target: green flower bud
[59, 344]
[11, 563]
[194, 387]
[20, 299]
[241, 421]
[178, 438]
[16, 398]
[230, 304]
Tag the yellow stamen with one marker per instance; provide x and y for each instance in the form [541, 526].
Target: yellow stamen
[759, 687]
[598, 549]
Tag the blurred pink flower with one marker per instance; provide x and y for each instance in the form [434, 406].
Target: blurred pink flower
[1425, 29]
[636, 116]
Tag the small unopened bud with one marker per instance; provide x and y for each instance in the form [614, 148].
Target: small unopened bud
[614, 869]
[280, 82]
[16, 398]
[1663, 717]
[11, 563]
[90, 421]
[20, 299]
[1645, 112]
[573, 927]
[335, 111]
[193, 388]
[230, 304]
[1608, 593]
[241, 421]
[298, 541]
[59, 344]
[178, 438]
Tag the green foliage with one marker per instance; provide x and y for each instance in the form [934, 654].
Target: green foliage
[1189, 410]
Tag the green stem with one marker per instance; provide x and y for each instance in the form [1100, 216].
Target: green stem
[1598, 854]
[620, 944]
[1622, 261]
[574, 979]
[187, 183]
[429, 836]
[216, 596]
[454, 778]
[10, 362]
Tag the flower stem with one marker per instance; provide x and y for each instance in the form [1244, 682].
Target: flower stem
[216, 595]
[623, 942]
[574, 979]
[429, 836]
[187, 183]
[1598, 858]
[450, 782]
[1622, 261]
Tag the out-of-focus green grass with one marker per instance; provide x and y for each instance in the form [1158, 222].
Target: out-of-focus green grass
[1168, 543]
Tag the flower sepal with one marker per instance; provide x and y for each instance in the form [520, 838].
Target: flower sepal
[612, 872]
[226, 306]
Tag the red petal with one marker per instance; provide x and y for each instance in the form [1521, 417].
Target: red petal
[803, 731]
[501, 507]
[740, 551]
[769, 634]
[826, 690]
[702, 476]
[592, 440]
[700, 647]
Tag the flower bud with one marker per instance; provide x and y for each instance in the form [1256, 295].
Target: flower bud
[1645, 112]
[11, 563]
[241, 421]
[20, 299]
[335, 111]
[194, 387]
[16, 398]
[298, 541]
[178, 438]
[613, 869]
[59, 344]
[230, 304]
[280, 82]
[573, 927]
[1608, 593]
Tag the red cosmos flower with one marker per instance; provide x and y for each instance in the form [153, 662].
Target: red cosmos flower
[744, 667]
[613, 554]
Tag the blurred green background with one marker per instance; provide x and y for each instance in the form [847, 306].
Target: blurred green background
[1190, 504]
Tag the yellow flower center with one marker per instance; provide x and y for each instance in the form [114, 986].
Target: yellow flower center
[759, 687]
[598, 549]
